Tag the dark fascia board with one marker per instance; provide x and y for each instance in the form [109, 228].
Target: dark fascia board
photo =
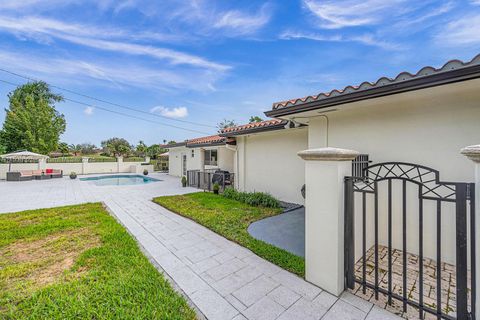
[434, 80]
[279, 126]
[197, 145]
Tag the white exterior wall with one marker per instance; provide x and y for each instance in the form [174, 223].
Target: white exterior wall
[224, 161]
[175, 161]
[426, 127]
[268, 162]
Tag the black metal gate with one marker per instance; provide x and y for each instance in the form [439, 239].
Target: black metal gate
[430, 188]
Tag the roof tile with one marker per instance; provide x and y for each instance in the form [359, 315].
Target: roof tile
[253, 125]
[401, 77]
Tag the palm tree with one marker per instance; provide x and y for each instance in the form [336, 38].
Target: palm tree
[75, 149]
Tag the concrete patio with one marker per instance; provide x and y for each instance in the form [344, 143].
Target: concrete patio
[221, 279]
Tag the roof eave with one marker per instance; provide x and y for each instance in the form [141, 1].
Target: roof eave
[463, 74]
[279, 126]
[176, 145]
[199, 145]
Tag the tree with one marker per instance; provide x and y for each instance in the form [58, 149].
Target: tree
[116, 147]
[226, 124]
[31, 120]
[154, 150]
[87, 148]
[75, 149]
[141, 148]
[255, 119]
[3, 149]
[63, 148]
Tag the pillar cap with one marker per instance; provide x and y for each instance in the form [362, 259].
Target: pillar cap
[328, 154]
[472, 153]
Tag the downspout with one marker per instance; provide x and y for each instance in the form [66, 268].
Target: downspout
[244, 163]
[234, 149]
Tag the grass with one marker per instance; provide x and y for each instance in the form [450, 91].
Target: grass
[231, 218]
[77, 262]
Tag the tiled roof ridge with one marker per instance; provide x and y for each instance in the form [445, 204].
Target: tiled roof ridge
[402, 76]
[252, 125]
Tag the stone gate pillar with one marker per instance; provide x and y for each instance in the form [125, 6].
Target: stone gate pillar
[85, 165]
[119, 163]
[325, 169]
[473, 153]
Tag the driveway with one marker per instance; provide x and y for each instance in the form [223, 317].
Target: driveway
[221, 279]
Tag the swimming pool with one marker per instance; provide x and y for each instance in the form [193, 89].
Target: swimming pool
[120, 180]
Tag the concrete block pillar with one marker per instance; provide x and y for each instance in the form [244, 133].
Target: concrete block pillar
[119, 163]
[325, 169]
[84, 165]
[42, 164]
[147, 159]
[473, 153]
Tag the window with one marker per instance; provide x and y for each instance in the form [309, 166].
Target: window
[211, 157]
[193, 153]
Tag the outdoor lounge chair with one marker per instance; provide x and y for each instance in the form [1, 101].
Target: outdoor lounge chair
[20, 175]
[54, 173]
[25, 175]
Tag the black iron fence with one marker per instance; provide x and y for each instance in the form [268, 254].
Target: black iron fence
[207, 179]
[65, 160]
[133, 159]
[430, 189]
[359, 164]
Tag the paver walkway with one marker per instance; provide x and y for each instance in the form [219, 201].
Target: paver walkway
[222, 279]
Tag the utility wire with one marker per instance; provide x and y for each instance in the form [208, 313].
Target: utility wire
[116, 112]
[107, 102]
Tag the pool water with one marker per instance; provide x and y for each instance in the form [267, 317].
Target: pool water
[120, 180]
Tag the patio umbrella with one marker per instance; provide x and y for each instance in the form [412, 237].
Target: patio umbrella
[22, 155]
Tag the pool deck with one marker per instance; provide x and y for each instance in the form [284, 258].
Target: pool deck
[219, 278]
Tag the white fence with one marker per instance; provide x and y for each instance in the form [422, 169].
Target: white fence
[80, 168]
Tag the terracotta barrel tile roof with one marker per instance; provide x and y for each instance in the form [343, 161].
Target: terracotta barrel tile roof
[383, 81]
[206, 140]
[254, 125]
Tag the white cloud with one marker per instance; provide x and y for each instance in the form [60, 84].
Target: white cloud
[88, 111]
[350, 13]
[366, 39]
[39, 28]
[242, 23]
[460, 32]
[114, 72]
[177, 112]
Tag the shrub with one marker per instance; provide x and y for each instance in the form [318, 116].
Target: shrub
[257, 199]
[184, 181]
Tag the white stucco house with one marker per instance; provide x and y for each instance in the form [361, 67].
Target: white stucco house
[201, 154]
[423, 119]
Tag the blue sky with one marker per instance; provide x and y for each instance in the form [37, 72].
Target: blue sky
[202, 61]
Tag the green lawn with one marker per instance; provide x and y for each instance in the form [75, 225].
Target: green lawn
[231, 219]
[77, 262]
